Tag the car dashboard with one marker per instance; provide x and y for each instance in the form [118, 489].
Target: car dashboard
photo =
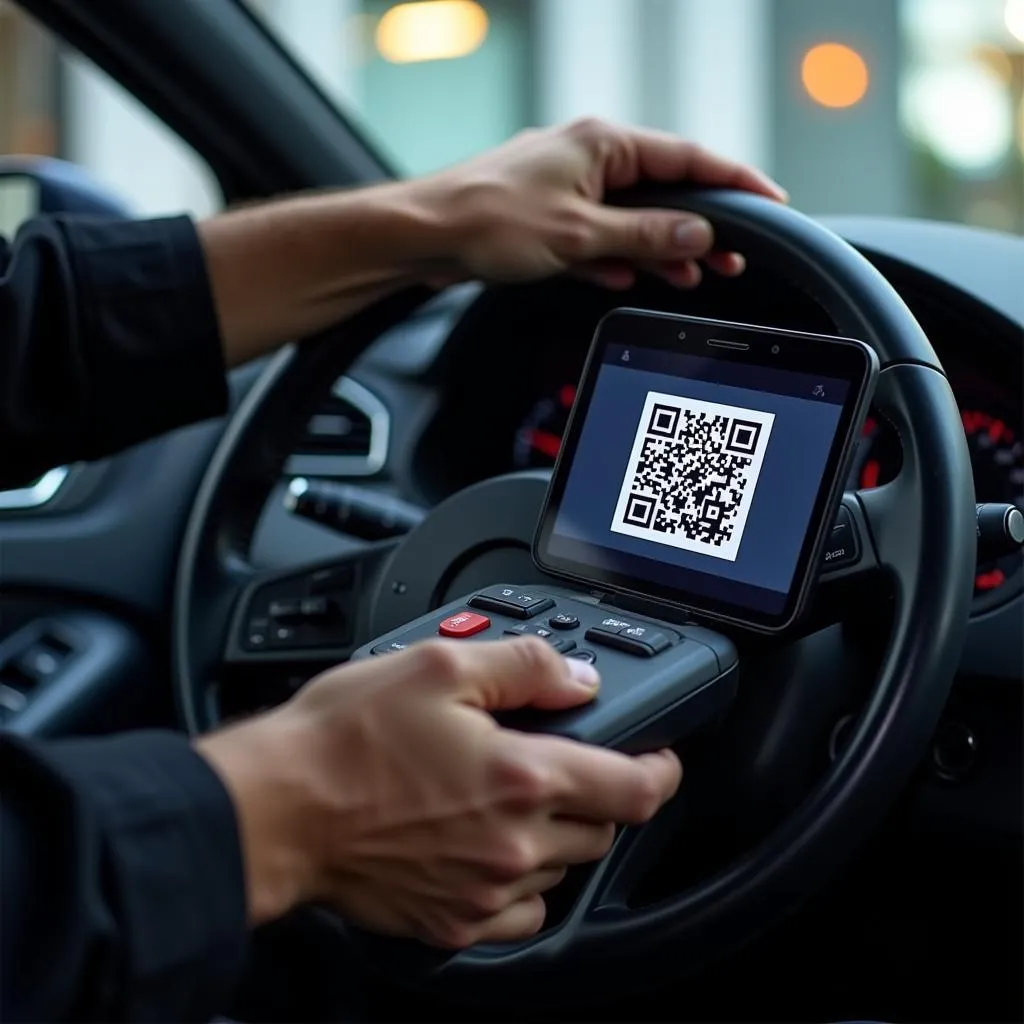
[506, 399]
[462, 401]
[444, 400]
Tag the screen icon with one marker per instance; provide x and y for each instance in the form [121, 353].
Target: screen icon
[625, 356]
[819, 391]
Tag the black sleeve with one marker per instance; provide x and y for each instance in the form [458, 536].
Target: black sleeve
[123, 883]
[108, 336]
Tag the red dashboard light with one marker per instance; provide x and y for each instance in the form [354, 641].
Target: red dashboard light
[991, 580]
[544, 442]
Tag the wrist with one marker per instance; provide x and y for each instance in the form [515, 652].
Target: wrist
[421, 229]
[260, 764]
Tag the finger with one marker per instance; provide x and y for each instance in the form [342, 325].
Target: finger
[728, 264]
[662, 156]
[603, 785]
[607, 273]
[535, 883]
[515, 673]
[491, 898]
[646, 235]
[572, 841]
[519, 921]
[681, 275]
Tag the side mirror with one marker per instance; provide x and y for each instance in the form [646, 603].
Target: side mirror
[41, 185]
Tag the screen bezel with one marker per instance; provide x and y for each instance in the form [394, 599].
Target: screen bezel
[844, 358]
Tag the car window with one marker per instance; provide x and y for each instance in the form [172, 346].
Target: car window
[55, 102]
[891, 107]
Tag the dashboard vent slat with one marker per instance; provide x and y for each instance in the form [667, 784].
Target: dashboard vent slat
[347, 436]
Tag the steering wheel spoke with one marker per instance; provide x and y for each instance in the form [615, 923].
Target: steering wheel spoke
[849, 566]
[615, 879]
[309, 617]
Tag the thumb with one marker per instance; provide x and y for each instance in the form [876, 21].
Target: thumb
[502, 675]
[658, 235]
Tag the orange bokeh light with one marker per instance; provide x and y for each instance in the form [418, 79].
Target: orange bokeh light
[834, 75]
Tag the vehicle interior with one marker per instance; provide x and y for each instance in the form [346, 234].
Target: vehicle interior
[848, 843]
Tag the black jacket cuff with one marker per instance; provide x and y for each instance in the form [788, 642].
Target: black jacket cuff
[173, 862]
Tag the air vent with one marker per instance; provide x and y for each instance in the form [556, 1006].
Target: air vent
[338, 428]
[347, 436]
[37, 493]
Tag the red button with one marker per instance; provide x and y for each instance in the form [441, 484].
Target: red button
[463, 624]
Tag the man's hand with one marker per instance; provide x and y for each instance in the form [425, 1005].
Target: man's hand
[533, 207]
[528, 209]
[385, 790]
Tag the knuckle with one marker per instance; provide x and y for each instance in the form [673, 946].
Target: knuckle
[647, 798]
[540, 913]
[650, 233]
[588, 129]
[604, 836]
[487, 900]
[522, 783]
[437, 658]
[537, 656]
[515, 856]
[576, 232]
[452, 933]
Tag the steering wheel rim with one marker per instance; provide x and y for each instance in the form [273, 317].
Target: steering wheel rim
[922, 530]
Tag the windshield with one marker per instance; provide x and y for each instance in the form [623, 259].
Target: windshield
[890, 107]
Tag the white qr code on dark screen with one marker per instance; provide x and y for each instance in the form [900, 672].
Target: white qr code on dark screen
[692, 473]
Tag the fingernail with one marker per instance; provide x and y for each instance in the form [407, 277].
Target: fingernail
[693, 234]
[584, 673]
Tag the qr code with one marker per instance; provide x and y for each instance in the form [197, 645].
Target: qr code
[692, 473]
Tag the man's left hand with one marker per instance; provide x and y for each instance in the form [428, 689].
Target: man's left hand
[526, 210]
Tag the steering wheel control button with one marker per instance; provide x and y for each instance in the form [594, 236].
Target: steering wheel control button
[841, 544]
[517, 604]
[464, 624]
[631, 638]
[560, 644]
[11, 700]
[655, 643]
[391, 647]
[563, 620]
[654, 636]
[658, 640]
[257, 634]
[526, 629]
[610, 624]
[582, 654]
[285, 611]
[954, 751]
[333, 580]
[314, 608]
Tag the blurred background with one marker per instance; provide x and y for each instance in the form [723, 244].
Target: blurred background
[888, 107]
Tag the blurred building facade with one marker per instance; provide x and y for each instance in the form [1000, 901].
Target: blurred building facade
[889, 107]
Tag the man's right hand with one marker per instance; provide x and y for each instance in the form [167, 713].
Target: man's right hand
[385, 790]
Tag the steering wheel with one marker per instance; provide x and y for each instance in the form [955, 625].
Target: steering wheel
[917, 535]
